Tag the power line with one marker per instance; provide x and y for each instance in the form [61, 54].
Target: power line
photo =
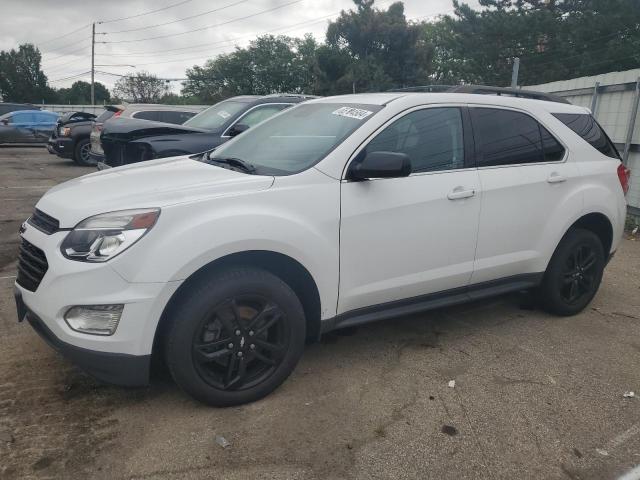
[57, 67]
[69, 77]
[562, 58]
[65, 54]
[146, 13]
[207, 26]
[65, 35]
[180, 19]
[286, 28]
[586, 65]
[543, 55]
[75, 42]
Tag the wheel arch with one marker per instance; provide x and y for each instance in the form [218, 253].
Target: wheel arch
[292, 272]
[599, 224]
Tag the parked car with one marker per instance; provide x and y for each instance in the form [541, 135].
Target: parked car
[27, 126]
[130, 141]
[144, 113]
[6, 107]
[70, 138]
[337, 212]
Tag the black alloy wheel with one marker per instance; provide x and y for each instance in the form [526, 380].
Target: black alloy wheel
[579, 274]
[573, 274]
[241, 343]
[234, 336]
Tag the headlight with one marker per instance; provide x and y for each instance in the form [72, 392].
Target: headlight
[102, 237]
[65, 131]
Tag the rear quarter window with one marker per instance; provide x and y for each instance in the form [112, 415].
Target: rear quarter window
[586, 126]
[155, 115]
[104, 116]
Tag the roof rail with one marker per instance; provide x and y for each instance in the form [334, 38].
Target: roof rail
[425, 89]
[486, 90]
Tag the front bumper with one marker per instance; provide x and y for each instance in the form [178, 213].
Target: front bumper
[116, 368]
[61, 146]
[67, 283]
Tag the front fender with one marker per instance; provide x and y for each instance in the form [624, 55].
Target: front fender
[297, 217]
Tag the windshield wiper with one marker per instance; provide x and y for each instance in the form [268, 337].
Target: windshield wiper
[234, 162]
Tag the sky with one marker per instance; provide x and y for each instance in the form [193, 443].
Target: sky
[164, 37]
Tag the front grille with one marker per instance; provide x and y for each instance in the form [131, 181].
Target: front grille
[32, 265]
[44, 222]
[114, 153]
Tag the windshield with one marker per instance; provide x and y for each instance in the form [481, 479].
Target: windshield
[216, 116]
[297, 138]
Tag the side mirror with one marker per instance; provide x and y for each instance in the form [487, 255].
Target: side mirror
[5, 121]
[381, 165]
[237, 129]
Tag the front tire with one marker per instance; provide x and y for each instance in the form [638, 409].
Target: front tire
[235, 337]
[574, 273]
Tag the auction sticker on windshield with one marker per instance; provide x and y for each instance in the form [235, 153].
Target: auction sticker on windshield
[357, 113]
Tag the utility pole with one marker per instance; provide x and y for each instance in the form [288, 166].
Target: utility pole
[93, 61]
[514, 73]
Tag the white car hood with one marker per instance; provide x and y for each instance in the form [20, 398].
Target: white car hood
[150, 184]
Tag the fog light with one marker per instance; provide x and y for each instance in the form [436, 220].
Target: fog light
[94, 319]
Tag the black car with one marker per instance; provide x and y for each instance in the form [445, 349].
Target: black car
[127, 141]
[70, 139]
[146, 112]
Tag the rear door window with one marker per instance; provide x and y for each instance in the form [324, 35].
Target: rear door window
[45, 118]
[23, 117]
[176, 117]
[586, 126]
[507, 137]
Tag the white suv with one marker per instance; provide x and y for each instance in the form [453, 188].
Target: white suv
[336, 212]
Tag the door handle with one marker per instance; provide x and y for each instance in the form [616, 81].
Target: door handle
[459, 192]
[555, 177]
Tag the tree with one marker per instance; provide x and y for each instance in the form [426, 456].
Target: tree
[553, 39]
[270, 64]
[141, 87]
[80, 93]
[21, 76]
[385, 50]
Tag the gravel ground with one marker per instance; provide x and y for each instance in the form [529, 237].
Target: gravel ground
[535, 396]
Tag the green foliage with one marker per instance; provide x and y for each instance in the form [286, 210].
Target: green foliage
[385, 50]
[371, 49]
[140, 87]
[269, 64]
[80, 94]
[555, 40]
[21, 76]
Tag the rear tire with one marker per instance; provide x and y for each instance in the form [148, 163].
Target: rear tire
[573, 274]
[235, 337]
[81, 153]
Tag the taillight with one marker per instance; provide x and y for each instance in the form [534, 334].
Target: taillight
[117, 114]
[624, 174]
